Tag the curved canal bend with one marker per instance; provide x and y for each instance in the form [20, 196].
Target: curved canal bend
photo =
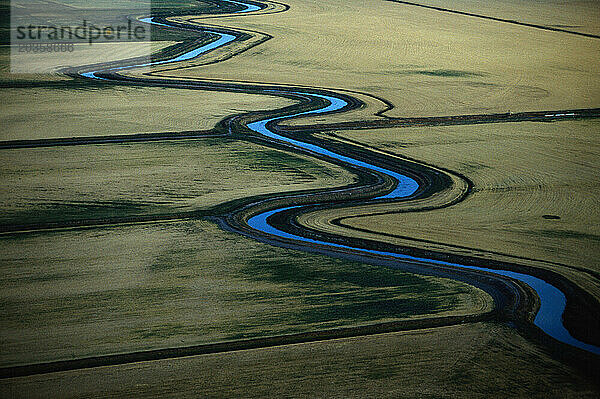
[549, 317]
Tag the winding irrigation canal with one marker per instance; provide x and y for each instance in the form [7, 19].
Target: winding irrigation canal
[553, 301]
[269, 219]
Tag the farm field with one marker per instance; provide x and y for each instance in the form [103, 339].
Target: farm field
[472, 361]
[302, 199]
[426, 63]
[576, 15]
[51, 185]
[534, 193]
[74, 294]
[31, 113]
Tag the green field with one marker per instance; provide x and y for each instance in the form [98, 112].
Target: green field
[77, 293]
[115, 248]
[141, 179]
[470, 361]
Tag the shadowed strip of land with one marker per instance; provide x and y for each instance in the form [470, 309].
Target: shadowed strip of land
[230, 346]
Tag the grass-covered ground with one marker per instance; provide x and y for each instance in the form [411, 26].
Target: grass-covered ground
[469, 361]
[427, 63]
[67, 294]
[76, 293]
[78, 109]
[573, 15]
[95, 182]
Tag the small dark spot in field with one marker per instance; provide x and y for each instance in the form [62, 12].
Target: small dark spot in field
[551, 217]
[446, 73]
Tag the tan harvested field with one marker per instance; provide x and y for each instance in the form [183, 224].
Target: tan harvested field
[32, 113]
[573, 15]
[472, 361]
[520, 173]
[43, 68]
[71, 293]
[425, 62]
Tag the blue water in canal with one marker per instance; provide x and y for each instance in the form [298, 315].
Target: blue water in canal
[552, 300]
